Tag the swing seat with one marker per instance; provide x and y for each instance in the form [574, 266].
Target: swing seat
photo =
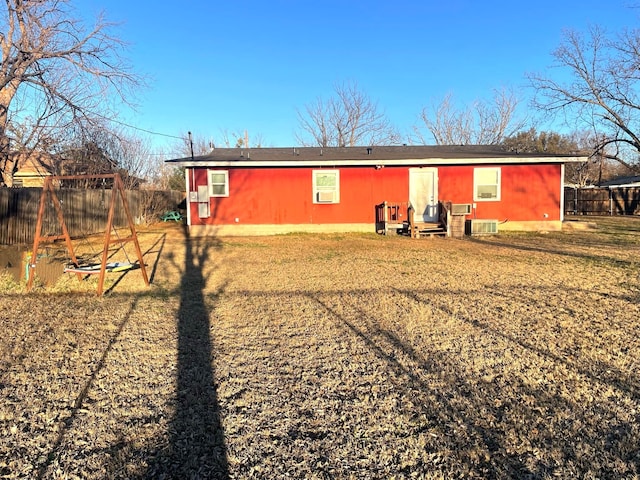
[95, 268]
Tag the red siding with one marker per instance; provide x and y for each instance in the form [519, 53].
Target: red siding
[527, 191]
[284, 195]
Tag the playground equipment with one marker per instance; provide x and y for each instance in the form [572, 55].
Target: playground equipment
[118, 192]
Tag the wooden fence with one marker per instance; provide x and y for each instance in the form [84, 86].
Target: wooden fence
[602, 201]
[85, 211]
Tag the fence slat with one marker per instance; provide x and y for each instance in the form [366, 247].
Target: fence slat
[85, 211]
[602, 201]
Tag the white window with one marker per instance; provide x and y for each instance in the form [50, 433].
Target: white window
[486, 184]
[218, 183]
[326, 186]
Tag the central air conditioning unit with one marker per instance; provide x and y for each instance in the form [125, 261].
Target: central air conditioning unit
[482, 227]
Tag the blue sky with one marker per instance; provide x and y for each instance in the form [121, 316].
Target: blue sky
[250, 65]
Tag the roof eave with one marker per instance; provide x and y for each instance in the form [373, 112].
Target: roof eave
[389, 162]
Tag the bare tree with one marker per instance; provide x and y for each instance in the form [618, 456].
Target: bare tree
[231, 139]
[168, 178]
[481, 123]
[602, 92]
[134, 161]
[237, 139]
[193, 144]
[202, 145]
[164, 176]
[57, 69]
[347, 119]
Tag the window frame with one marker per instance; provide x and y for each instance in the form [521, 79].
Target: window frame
[212, 184]
[477, 184]
[322, 188]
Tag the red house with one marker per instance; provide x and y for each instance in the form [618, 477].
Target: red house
[260, 191]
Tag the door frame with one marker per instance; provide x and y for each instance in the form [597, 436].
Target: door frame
[427, 210]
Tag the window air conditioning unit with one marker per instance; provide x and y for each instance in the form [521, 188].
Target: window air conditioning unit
[482, 227]
[460, 209]
[326, 196]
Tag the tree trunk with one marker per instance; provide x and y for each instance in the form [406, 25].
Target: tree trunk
[7, 161]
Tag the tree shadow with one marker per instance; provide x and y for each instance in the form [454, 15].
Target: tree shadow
[492, 409]
[195, 445]
[597, 372]
[626, 200]
[389, 348]
[604, 258]
[80, 399]
[196, 438]
[159, 244]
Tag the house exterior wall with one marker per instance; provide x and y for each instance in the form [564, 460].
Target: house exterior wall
[275, 200]
[27, 181]
[284, 196]
[528, 192]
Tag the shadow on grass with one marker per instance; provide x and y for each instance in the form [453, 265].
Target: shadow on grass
[495, 426]
[598, 372]
[450, 411]
[195, 446]
[79, 401]
[159, 244]
[603, 257]
[196, 438]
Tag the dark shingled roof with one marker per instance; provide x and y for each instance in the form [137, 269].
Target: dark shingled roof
[634, 179]
[364, 154]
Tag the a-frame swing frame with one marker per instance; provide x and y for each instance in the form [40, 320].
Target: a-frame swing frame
[48, 192]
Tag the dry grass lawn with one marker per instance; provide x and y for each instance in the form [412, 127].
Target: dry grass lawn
[337, 356]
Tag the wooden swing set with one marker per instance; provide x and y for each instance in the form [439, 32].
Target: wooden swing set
[49, 194]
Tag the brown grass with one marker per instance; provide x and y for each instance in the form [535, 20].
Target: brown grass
[336, 356]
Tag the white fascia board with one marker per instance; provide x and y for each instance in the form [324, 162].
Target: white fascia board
[624, 185]
[372, 163]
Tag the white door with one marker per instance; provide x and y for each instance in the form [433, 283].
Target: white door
[423, 194]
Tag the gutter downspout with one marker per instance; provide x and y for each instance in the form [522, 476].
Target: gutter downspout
[562, 193]
[188, 196]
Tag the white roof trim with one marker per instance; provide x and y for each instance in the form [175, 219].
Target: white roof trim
[623, 185]
[402, 162]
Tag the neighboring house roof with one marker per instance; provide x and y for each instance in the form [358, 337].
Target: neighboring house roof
[34, 164]
[631, 181]
[376, 155]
